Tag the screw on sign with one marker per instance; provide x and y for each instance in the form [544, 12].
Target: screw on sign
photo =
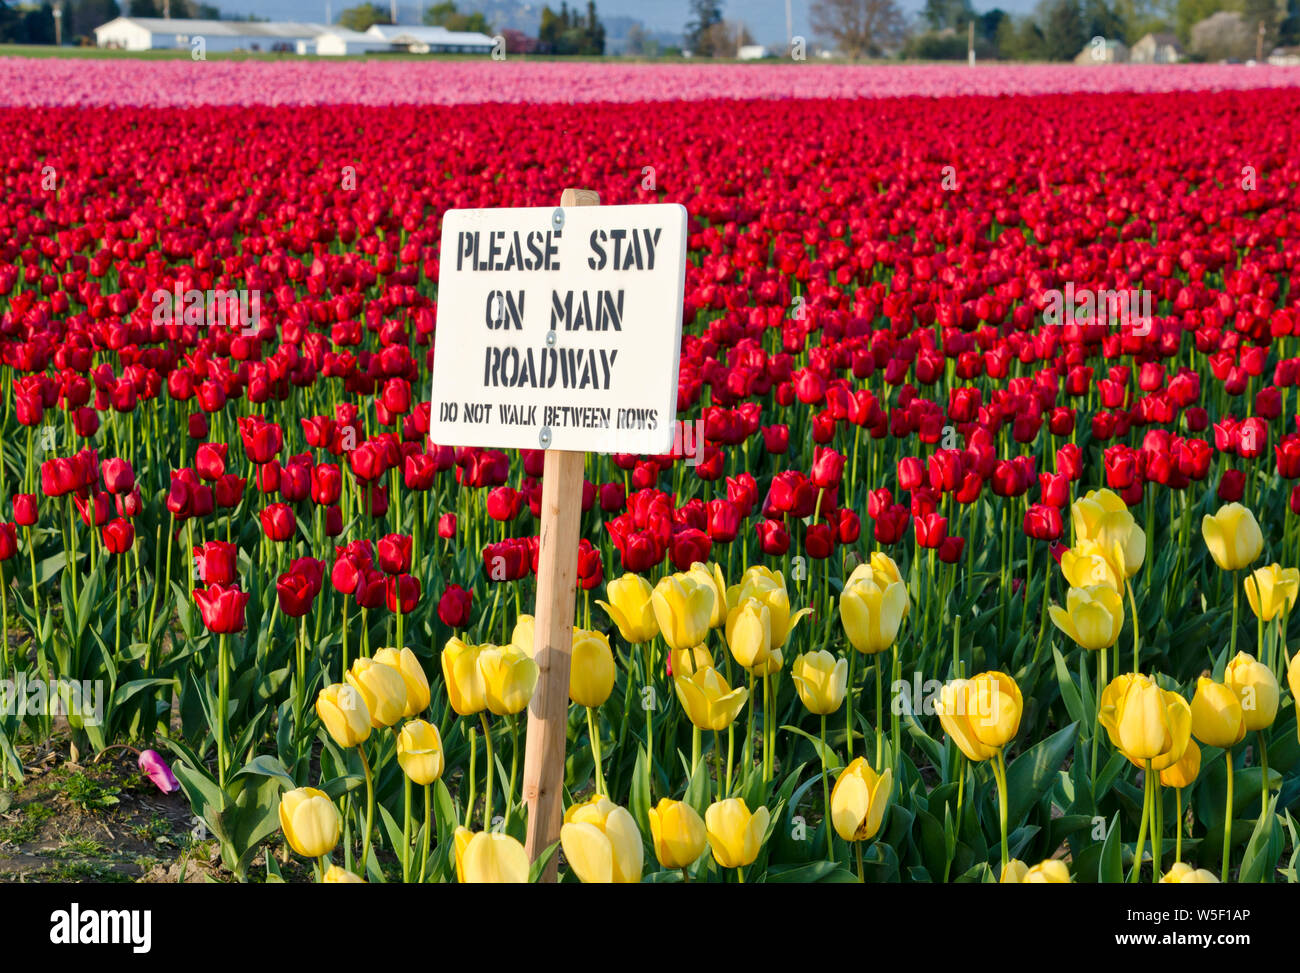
[559, 328]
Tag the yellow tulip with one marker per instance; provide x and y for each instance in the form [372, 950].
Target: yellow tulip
[1102, 516]
[677, 832]
[768, 586]
[310, 821]
[601, 842]
[412, 673]
[1088, 564]
[1272, 590]
[951, 709]
[1145, 722]
[1181, 873]
[591, 668]
[1014, 872]
[419, 752]
[382, 687]
[821, 679]
[465, 686]
[522, 635]
[1185, 771]
[859, 799]
[1256, 688]
[735, 835]
[1232, 534]
[490, 857]
[343, 711]
[1217, 719]
[871, 614]
[1051, 871]
[334, 875]
[509, 678]
[709, 702]
[631, 609]
[687, 661]
[749, 633]
[460, 841]
[1293, 680]
[993, 708]
[1092, 617]
[711, 574]
[683, 607]
[883, 571]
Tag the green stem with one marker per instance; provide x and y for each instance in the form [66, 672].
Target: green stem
[593, 734]
[1142, 828]
[490, 770]
[428, 829]
[1227, 814]
[370, 806]
[1000, 775]
[406, 831]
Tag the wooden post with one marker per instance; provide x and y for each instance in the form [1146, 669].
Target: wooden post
[557, 579]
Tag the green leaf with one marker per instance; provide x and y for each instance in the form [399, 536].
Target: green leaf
[1069, 692]
[536, 869]
[1030, 774]
[268, 766]
[824, 751]
[1263, 850]
[639, 798]
[1111, 867]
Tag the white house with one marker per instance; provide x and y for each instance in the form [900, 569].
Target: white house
[751, 52]
[425, 40]
[157, 33]
[1160, 48]
[339, 41]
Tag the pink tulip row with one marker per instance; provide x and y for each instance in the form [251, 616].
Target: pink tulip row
[71, 82]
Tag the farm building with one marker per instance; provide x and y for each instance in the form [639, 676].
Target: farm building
[339, 41]
[1159, 48]
[157, 33]
[432, 40]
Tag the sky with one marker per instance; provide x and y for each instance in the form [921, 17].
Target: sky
[765, 18]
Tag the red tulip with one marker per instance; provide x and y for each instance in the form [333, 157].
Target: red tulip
[454, 606]
[402, 593]
[216, 562]
[25, 513]
[222, 608]
[278, 522]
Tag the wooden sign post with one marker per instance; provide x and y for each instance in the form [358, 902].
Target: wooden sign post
[558, 329]
[557, 582]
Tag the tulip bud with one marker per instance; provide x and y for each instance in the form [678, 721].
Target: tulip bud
[382, 687]
[1216, 714]
[310, 821]
[1233, 537]
[460, 672]
[631, 609]
[591, 668]
[491, 858]
[344, 712]
[601, 842]
[1256, 689]
[678, 833]
[683, 607]
[821, 679]
[509, 678]
[419, 752]
[412, 673]
[334, 875]
[859, 799]
[734, 834]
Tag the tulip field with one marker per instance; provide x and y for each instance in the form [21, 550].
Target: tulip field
[975, 562]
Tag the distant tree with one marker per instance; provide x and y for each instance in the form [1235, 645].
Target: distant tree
[725, 39]
[38, 25]
[446, 15]
[145, 8]
[364, 16]
[1063, 30]
[956, 14]
[517, 42]
[1223, 35]
[705, 14]
[82, 17]
[859, 27]
[640, 43]
[1262, 18]
[1189, 12]
[569, 32]
[987, 24]
[1289, 28]
[1101, 20]
[1020, 39]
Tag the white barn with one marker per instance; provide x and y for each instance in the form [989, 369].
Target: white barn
[157, 33]
[340, 42]
[426, 40]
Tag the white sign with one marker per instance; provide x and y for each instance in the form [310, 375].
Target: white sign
[559, 328]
